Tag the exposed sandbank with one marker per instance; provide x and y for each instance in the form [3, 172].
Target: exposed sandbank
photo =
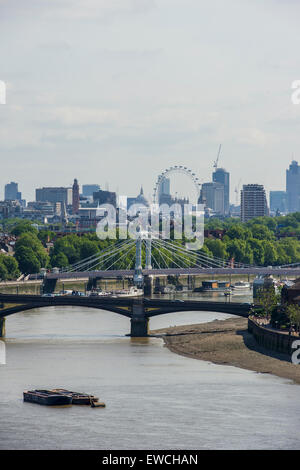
[228, 342]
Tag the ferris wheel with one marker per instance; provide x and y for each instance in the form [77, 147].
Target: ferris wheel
[176, 169]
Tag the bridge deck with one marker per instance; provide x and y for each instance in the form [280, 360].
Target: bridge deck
[123, 306]
[275, 271]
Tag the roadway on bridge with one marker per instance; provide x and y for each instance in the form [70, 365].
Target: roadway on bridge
[294, 272]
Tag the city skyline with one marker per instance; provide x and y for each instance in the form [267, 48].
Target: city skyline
[213, 178]
[116, 85]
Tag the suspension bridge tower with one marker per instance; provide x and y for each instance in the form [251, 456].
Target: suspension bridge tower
[138, 269]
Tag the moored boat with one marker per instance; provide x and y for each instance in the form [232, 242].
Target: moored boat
[46, 397]
[241, 286]
[132, 292]
[213, 286]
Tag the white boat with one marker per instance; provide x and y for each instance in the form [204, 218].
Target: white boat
[241, 286]
[132, 292]
[98, 294]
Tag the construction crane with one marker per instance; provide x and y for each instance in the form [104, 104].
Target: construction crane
[218, 156]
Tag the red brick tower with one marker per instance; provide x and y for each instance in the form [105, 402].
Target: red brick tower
[75, 201]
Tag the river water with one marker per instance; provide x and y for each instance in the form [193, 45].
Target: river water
[155, 399]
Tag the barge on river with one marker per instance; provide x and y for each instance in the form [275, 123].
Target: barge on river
[46, 397]
[60, 396]
[79, 398]
[213, 286]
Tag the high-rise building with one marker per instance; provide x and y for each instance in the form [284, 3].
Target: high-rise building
[75, 197]
[11, 192]
[164, 194]
[89, 189]
[253, 202]
[278, 201]
[63, 195]
[220, 175]
[212, 196]
[165, 186]
[293, 187]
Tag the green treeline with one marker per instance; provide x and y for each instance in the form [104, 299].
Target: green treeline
[263, 241]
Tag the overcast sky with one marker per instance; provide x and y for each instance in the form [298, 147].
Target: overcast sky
[118, 90]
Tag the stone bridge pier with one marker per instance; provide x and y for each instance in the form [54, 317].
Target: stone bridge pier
[148, 285]
[139, 321]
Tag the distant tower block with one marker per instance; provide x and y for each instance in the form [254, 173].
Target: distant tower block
[75, 197]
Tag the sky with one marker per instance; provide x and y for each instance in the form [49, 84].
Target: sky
[115, 91]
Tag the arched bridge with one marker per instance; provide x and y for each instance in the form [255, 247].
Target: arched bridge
[139, 310]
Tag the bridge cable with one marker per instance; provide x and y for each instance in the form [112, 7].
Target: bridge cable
[109, 256]
[172, 254]
[98, 258]
[90, 258]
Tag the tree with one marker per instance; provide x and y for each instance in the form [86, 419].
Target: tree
[293, 313]
[59, 261]
[238, 231]
[28, 261]
[283, 257]
[70, 246]
[217, 248]
[270, 253]
[291, 248]
[24, 227]
[268, 299]
[237, 249]
[3, 272]
[11, 266]
[30, 254]
[88, 248]
[261, 232]
[257, 249]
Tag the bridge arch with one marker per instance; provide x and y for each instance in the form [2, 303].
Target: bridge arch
[21, 308]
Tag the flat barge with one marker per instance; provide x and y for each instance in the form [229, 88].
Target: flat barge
[46, 397]
[61, 396]
[78, 398]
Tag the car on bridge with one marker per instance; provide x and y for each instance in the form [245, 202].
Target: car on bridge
[78, 293]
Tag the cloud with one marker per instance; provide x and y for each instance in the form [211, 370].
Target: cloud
[105, 10]
[82, 116]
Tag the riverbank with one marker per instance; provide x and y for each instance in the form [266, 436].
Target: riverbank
[228, 342]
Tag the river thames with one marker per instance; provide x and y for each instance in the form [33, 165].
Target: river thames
[154, 398]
